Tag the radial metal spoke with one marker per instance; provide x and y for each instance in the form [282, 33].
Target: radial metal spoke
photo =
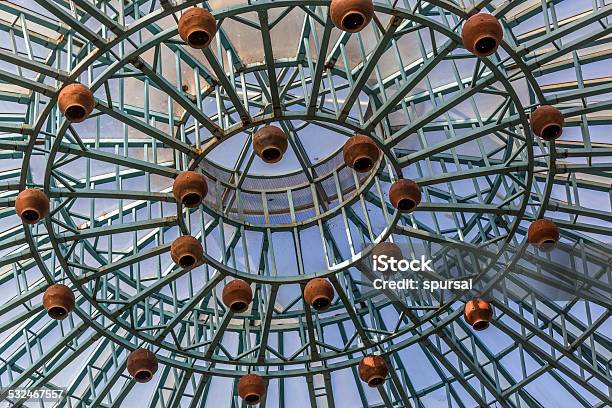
[147, 129]
[226, 85]
[369, 65]
[179, 97]
[440, 110]
[455, 141]
[423, 70]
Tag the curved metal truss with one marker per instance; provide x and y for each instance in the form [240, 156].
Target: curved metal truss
[456, 124]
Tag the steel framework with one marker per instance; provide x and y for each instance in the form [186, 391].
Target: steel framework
[456, 124]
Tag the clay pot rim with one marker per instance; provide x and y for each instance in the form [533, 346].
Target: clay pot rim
[376, 381]
[491, 51]
[406, 204]
[237, 286]
[321, 297]
[472, 22]
[547, 241]
[480, 324]
[401, 195]
[27, 211]
[76, 112]
[138, 375]
[191, 252]
[360, 27]
[195, 197]
[187, 261]
[546, 245]
[233, 306]
[270, 152]
[197, 43]
[252, 398]
[197, 30]
[145, 363]
[359, 160]
[277, 154]
[549, 138]
[26, 215]
[351, 16]
[64, 301]
[361, 155]
[479, 321]
[58, 312]
[191, 199]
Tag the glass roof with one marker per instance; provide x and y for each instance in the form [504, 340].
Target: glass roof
[456, 124]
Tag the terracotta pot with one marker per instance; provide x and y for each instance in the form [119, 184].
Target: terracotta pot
[405, 195]
[319, 293]
[481, 35]
[58, 300]
[187, 251]
[373, 370]
[76, 102]
[197, 27]
[360, 153]
[388, 249]
[142, 365]
[270, 143]
[251, 388]
[190, 188]
[478, 313]
[32, 205]
[544, 234]
[351, 15]
[237, 295]
[547, 122]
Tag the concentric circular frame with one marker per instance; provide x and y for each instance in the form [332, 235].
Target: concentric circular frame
[117, 317]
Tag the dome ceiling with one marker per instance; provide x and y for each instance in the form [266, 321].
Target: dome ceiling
[277, 279]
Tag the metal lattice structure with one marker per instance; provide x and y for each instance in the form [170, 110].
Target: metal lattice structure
[456, 124]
